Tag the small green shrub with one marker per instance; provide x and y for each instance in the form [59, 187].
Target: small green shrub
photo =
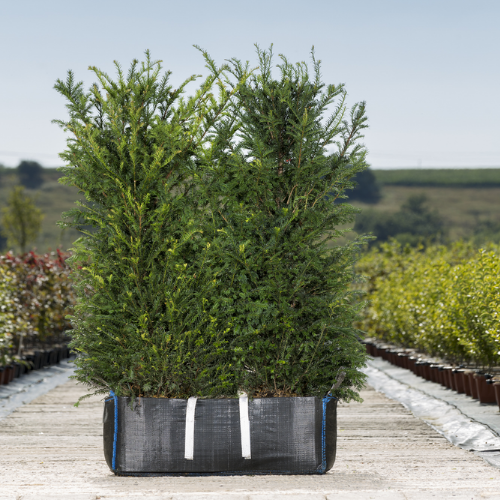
[485, 232]
[21, 220]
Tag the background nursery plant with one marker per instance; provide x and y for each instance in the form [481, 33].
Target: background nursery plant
[140, 271]
[35, 297]
[42, 296]
[283, 290]
[441, 300]
[7, 318]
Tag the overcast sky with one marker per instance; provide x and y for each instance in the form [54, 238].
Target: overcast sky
[429, 70]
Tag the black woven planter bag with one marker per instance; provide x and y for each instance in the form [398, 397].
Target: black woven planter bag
[220, 436]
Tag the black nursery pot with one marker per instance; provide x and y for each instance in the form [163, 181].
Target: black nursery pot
[51, 357]
[56, 355]
[223, 436]
[39, 360]
[64, 353]
[30, 362]
[8, 374]
[23, 367]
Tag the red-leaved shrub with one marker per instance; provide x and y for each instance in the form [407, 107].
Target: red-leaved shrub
[41, 296]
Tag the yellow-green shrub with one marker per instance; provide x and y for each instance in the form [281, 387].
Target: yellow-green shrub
[443, 300]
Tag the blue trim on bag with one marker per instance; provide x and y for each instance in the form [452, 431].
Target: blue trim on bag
[325, 401]
[115, 430]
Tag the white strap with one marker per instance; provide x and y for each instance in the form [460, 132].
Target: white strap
[189, 436]
[245, 427]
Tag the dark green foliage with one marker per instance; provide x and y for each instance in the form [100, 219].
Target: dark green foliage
[414, 223]
[142, 275]
[207, 271]
[283, 294]
[30, 174]
[463, 177]
[367, 189]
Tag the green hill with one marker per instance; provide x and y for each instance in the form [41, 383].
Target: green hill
[53, 199]
[464, 198]
[480, 177]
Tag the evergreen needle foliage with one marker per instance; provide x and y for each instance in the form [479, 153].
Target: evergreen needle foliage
[21, 220]
[209, 268]
[283, 291]
[142, 275]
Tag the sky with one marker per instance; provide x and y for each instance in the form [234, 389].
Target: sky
[428, 69]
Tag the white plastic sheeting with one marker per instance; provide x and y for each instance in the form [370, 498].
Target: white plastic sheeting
[440, 415]
[25, 389]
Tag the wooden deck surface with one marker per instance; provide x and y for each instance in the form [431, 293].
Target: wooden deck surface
[49, 449]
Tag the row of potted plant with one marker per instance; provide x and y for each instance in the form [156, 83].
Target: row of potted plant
[442, 300]
[19, 366]
[36, 295]
[476, 383]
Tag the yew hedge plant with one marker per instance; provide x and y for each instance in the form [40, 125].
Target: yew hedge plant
[285, 282]
[209, 262]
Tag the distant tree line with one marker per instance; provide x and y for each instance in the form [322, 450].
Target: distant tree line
[29, 174]
[440, 177]
[367, 189]
[415, 222]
